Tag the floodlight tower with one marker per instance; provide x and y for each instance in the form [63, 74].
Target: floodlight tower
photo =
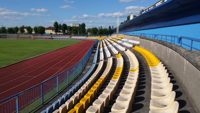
[117, 30]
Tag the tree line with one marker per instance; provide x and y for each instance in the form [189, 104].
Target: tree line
[82, 30]
[79, 29]
[29, 30]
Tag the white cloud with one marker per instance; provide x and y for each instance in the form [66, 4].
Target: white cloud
[113, 15]
[126, 1]
[104, 18]
[65, 6]
[11, 14]
[39, 10]
[133, 9]
[69, 1]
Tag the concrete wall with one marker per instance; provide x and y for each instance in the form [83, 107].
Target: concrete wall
[185, 72]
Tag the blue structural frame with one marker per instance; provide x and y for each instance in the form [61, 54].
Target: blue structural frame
[169, 13]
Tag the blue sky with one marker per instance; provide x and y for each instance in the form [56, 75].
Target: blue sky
[45, 12]
[92, 12]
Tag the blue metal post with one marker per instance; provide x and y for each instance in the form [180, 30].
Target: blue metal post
[17, 104]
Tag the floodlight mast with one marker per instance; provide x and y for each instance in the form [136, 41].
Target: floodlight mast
[117, 30]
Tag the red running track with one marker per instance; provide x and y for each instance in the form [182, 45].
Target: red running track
[23, 75]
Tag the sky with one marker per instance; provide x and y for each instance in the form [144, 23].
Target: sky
[94, 13]
[45, 12]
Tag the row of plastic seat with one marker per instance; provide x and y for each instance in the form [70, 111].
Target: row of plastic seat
[111, 47]
[162, 96]
[131, 41]
[81, 91]
[108, 54]
[101, 51]
[55, 105]
[88, 98]
[125, 98]
[122, 103]
[96, 87]
[126, 42]
[103, 100]
[121, 48]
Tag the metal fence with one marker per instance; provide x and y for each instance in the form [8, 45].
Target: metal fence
[34, 97]
[184, 42]
[153, 6]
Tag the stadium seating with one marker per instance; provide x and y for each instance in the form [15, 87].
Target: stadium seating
[123, 101]
[162, 96]
[111, 47]
[108, 54]
[87, 94]
[87, 99]
[103, 99]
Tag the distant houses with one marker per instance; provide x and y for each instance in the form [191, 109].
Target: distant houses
[50, 30]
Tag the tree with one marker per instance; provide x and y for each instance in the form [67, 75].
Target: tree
[36, 30]
[82, 28]
[93, 31]
[16, 30]
[56, 27]
[110, 30]
[11, 30]
[22, 29]
[29, 30]
[41, 30]
[75, 30]
[59, 27]
[3, 30]
[69, 30]
[64, 28]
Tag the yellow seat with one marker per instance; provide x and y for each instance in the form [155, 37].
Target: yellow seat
[72, 111]
[85, 102]
[79, 108]
[88, 96]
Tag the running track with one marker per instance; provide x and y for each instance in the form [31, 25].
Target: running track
[23, 75]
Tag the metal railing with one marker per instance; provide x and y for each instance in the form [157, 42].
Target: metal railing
[182, 41]
[153, 6]
[36, 96]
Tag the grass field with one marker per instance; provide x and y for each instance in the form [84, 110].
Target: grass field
[12, 51]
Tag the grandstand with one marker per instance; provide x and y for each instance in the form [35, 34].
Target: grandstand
[122, 73]
[127, 78]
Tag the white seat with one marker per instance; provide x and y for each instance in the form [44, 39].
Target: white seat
[162, 101]
[172, 108]
[167, 80]
[124, 100]
[161, 92]
[92, 109]
[125, 92]
[160, 86]
[118, 108]
[98, 104]
[104, 98]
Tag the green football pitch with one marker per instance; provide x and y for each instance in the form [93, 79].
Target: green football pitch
[13, 51]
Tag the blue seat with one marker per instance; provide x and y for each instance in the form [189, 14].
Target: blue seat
[49, 109]
[56, 104]
[62, 100]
